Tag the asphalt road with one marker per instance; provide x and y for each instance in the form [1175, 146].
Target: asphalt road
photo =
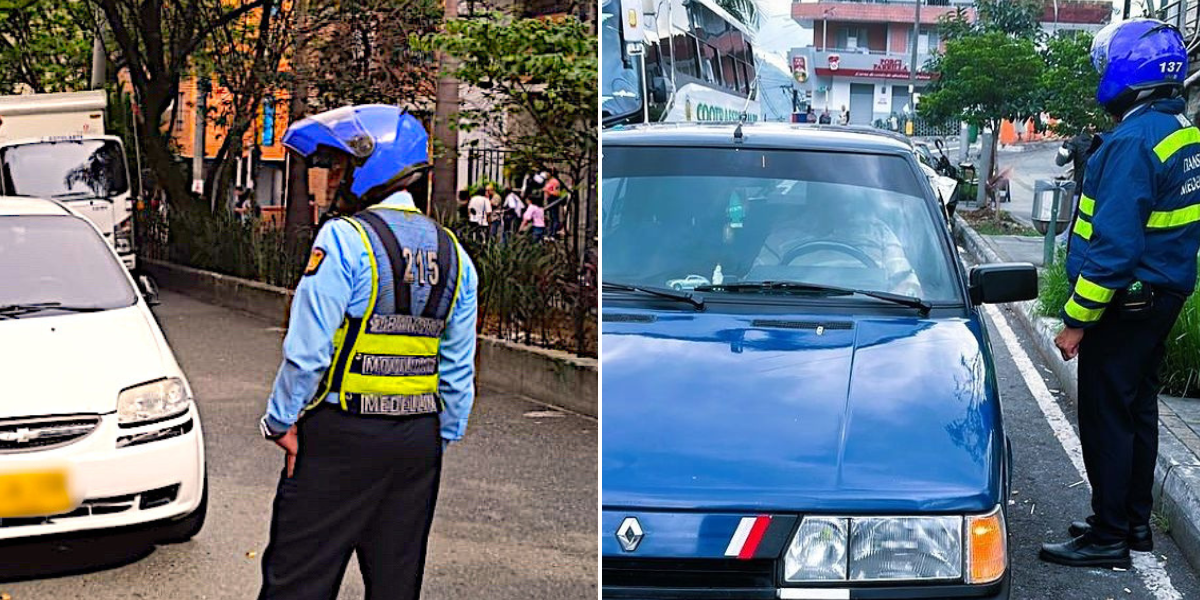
[516, 514]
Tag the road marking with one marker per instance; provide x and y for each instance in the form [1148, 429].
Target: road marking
[1152, 573]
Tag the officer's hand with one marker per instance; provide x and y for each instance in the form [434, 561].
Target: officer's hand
[1067, 341]
[290, 442]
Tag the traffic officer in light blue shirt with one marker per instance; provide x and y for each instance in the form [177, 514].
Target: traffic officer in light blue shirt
[1132, 263]
[378, 368]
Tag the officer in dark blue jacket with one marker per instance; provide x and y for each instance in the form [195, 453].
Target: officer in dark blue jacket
[1132, 261]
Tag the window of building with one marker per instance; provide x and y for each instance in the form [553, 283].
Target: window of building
[852, 38]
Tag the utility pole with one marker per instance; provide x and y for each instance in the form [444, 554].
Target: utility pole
[299, 217]
[444, 195]
[912, 69]
[99, 60]
[198, 139]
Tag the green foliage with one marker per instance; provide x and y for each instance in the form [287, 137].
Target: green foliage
[527, 292]
[537, 78]
[362, 52]
[45, 45]
[1018, 18]
[1069, 84]
[985, 77]
[197, 238]
[1180, 373]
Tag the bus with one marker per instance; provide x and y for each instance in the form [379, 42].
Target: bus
[675, 60]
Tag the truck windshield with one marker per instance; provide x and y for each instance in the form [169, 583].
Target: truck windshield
[620, 75]
[64, 169]
[59, 260]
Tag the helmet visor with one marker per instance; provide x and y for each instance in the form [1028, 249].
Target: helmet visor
[1100, 46]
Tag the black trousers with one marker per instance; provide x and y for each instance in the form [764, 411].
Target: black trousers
[361, 484]
[1119, 359]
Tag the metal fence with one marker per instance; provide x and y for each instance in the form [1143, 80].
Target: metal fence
[570, 295]
[1185, 15]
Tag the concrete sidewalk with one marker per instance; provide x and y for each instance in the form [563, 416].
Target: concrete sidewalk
[1177, 474]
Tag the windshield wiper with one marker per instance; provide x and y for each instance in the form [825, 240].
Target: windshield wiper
[688, 297]
[16, 310]
[800, 286]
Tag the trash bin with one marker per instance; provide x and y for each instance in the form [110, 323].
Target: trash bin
[972, 134]
[1046, 193]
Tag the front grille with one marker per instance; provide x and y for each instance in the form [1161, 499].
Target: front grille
[688, 573]
[43, 433]
[105, 506]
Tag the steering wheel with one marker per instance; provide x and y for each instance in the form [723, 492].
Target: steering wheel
[817, 246]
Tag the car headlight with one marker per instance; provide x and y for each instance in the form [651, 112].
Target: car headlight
[905, 548]
[832, 548]
[818, 552]
[123, 242]
[152, 401]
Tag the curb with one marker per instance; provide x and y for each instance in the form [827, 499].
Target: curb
[550, 377]
[1177, 472]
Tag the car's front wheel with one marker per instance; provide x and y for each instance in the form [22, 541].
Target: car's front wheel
[177, 532]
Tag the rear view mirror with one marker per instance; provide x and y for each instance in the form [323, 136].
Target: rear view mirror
[149, 290]
[658, 90]
[1003, 282]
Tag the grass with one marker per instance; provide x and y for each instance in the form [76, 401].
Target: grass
[1160, 521]
[1180, 373]
[987, 222]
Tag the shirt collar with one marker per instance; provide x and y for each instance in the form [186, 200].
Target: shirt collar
[400, 199]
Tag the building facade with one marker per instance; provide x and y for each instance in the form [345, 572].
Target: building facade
[859, 54]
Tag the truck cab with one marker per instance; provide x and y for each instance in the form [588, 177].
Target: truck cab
[54, 146]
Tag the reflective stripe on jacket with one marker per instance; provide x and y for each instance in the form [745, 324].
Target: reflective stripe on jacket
[1139, 215]
[386, 362]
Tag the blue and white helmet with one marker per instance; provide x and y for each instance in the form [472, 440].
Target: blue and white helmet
[1135, 57]
[384, 142]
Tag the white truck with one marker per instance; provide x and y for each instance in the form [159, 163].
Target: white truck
[54, 146]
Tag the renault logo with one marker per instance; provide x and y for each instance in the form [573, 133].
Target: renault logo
[629, 534]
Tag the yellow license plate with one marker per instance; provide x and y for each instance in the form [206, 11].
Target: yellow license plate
[33, 494]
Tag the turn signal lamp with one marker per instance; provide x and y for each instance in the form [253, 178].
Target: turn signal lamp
[987, 547]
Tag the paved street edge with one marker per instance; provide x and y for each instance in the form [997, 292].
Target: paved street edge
[551, 377]
[1177, 474]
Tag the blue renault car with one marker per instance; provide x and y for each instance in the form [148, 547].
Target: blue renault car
[799, 396]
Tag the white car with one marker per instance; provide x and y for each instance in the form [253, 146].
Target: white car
[690, 282]
[98, 428]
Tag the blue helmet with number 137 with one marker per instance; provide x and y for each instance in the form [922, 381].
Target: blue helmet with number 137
[1137, 59]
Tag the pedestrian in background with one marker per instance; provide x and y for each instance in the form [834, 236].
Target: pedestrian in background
[825, 118]
[1075, 152]
[1132, 263]
[478, 209]
[514, 209]
[378, 368]
[552, 200]
[535, 219]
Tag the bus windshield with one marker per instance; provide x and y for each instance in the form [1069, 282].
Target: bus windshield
[621, 76]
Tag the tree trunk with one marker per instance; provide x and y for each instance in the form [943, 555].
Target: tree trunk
[444, 195]
[298, 218]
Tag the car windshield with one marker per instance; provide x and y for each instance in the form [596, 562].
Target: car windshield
[59, 259]
[64, 169]
[679, 217]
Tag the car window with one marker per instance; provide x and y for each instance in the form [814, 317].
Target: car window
[59, 259]
[675, 215]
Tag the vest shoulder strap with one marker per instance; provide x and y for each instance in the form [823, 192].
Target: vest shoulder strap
[391, 245]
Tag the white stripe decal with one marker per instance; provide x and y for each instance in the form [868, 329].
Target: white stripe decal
[739, 536]
[1153, 575]
[814, 594]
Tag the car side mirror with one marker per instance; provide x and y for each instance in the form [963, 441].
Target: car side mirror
[658, 90]
[1003, 282]
[149, 290]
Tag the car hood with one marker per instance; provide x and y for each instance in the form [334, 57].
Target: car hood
[77, 363]
[811, 413]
